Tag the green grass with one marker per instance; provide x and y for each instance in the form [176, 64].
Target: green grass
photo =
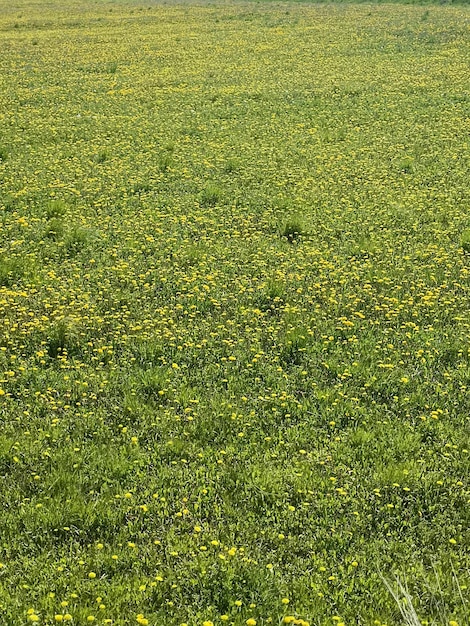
[234, 299]
[376, 2]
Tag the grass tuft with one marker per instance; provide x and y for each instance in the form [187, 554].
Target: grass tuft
[465, 241]
[63, 339]
[210, 195]
[293, 230]
[55, 209]
[11, 271]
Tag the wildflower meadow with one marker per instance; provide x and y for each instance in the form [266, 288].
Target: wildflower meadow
[235, 314]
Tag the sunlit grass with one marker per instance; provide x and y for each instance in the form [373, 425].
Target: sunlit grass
[234, 293]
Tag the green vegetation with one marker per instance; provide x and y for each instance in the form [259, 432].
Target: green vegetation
[234, 293]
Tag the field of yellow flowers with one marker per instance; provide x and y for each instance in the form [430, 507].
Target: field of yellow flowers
[235, 315]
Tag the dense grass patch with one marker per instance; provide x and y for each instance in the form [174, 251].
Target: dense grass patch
[234, 293]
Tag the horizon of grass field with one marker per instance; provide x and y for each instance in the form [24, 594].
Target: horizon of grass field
[373, 2]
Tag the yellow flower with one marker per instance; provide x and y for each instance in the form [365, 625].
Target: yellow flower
[208, 623]
[285, 600]
[250, 622]
[58, 618]
[91, 575]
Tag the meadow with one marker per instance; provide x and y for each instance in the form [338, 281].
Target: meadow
[235, 315]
